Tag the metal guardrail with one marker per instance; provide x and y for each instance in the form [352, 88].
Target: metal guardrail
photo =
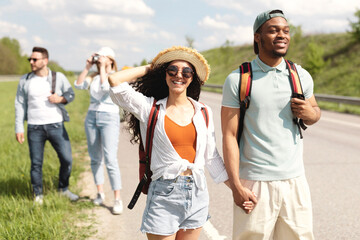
[319, 97]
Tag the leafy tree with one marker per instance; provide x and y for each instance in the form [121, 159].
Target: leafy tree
[12, 61]
[8, 60]
[189, 41]
[144, 62]
[296, 33]
[355, 26]
[314, 58]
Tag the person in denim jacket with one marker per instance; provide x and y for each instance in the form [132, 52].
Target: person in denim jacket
[45, 113]
[102, 124]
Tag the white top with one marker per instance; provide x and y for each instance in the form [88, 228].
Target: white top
[40, 110]
[99, 95]
[165, 161]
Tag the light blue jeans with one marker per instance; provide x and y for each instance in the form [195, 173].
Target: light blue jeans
[174, 204]
[102, 131]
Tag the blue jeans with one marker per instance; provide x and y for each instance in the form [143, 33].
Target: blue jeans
[102, 131]
[59, 139]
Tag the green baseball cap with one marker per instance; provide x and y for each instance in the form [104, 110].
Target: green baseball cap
[265, 16]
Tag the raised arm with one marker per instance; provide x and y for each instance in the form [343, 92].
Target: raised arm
[85, 72]
[128, 75]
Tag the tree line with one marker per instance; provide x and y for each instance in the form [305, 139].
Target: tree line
[14, 63]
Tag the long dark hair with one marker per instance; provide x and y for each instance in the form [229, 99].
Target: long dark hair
[153, 84]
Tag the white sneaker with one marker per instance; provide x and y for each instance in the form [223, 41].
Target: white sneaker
[72, 196]
[118, 207]
[38, 200]
[100, 198]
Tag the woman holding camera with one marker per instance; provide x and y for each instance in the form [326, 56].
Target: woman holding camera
[102, 124]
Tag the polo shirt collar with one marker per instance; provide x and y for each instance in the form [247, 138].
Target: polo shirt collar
[266, 68]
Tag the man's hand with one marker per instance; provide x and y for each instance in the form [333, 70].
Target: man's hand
[302, 109]
[245, 199]
[307, 110]
[54, 98]
[20, 138]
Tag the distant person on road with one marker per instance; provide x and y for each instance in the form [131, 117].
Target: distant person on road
[178, 202]
[268, 168]
[102, 124]
[45, 113]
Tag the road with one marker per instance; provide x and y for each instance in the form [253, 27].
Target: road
[332, 163]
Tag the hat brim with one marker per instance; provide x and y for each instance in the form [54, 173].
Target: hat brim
[190, 55]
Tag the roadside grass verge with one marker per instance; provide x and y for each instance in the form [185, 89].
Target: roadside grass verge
[57, 218]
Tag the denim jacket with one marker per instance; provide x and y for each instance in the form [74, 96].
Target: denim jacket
[62, 88]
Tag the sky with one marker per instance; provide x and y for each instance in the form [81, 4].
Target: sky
[72, 30]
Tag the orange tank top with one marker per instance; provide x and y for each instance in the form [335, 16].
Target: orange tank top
[183, 138]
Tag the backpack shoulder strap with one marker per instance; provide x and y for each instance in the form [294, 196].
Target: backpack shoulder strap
[150, 129]
[28, 75]
[245, 83]
[205, 114]
[154, 112]
[53, 82]
[297, 91]
[294, 78]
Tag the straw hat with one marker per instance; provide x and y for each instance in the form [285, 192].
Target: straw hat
[186, 54]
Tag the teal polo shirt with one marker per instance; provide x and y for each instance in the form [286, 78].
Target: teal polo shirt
[270, 147]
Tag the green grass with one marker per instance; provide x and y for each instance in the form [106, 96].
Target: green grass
[57, 218]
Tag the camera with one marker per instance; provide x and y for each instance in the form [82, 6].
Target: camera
[95, 58]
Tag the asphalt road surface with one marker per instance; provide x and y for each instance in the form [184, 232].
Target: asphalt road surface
[332, 163]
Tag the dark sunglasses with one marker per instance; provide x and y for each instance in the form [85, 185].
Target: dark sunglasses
[34, 59]
[173, 70]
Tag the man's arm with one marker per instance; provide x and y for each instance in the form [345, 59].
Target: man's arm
[68, 94]
[229, 125]
[20, 111]
[307, 110]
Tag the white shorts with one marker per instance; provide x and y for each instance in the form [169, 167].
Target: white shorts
[283, 211]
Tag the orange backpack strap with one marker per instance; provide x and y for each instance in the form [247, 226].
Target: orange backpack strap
[145, 156]
[297, 91]
[245, 83]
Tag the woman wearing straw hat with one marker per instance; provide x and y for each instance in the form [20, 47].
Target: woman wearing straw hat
[177, 201]
[102, 124]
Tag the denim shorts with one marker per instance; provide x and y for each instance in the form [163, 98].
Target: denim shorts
[174, 204]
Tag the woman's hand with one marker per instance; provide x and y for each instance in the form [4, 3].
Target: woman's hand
[128, 75]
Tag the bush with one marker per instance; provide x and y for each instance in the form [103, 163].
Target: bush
[355, 26]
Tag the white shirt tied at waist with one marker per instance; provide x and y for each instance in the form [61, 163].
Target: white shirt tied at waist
[165, 161]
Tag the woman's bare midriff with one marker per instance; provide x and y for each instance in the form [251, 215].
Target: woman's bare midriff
[188, 172]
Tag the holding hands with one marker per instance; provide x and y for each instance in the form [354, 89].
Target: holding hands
[245, 199]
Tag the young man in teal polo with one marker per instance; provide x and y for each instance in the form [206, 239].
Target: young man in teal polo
[267, 168]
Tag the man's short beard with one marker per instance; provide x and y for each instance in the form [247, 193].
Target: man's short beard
[277, 54]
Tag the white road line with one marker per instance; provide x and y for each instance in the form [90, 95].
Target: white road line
[340, 122]
[211, 232]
